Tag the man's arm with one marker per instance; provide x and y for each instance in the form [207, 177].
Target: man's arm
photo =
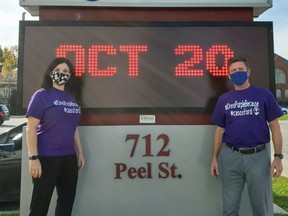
[276, 166]
[216, 149]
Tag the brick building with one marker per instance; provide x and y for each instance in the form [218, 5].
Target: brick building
[6, 91]
[281, 79]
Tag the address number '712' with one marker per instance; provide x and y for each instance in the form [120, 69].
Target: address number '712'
[162, 138]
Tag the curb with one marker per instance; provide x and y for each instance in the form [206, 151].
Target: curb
[279, 210]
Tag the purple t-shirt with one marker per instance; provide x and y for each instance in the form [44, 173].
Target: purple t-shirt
[59, 117]
[245, 115]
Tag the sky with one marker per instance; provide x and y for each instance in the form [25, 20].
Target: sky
[278, 15]
[11, 13]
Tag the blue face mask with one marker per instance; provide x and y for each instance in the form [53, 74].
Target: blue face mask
[239, 77]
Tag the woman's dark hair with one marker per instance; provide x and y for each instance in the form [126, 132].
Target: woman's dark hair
[74, 84]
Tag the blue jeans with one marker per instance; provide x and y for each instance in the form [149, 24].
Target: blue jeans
[236, 169]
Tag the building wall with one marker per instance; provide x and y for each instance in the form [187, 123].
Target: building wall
[5, 91]
[282, 63]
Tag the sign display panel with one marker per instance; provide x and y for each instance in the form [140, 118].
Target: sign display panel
[148, 66]
[138, 171]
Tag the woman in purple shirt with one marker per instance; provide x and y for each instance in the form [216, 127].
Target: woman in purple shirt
[54, 147]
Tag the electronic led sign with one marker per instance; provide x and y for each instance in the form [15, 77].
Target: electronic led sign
[146, 65]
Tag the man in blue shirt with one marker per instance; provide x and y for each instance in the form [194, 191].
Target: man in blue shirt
[243, 117]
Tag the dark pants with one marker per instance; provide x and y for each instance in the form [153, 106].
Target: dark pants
[59, 171]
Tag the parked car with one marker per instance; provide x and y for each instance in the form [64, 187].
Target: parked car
[10, 164]
[284, 110]
[4, 113]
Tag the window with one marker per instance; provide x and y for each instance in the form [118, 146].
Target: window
[280, 76]
[286, 93]
[278, 93]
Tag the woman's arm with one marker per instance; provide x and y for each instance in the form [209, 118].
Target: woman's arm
[35, 169]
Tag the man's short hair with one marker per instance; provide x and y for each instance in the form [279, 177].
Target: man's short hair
[238, 59]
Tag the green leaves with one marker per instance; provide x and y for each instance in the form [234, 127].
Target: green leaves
[8, 72]
[8, 61]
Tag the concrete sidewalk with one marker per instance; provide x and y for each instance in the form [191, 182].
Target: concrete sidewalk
[279, 210]
[284, 127]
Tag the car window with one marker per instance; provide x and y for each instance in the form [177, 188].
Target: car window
[7, 137]
[4, 108]
[11, 136]
[4, 154]
[3, 138]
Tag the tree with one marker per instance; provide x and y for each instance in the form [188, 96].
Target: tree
[9, 63]
[1, 58]
[8, 75]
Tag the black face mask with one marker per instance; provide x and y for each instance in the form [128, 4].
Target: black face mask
[59, 78]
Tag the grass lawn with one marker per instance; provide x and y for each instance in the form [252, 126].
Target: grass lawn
[9, 214]
[284, 117]
[280, 192]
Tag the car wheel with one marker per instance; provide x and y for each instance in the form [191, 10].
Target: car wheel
[285, 112]
[1, 122]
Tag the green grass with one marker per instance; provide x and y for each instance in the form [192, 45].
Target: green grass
[9, 214]
[284, 117]
[280, 187]
[280, 192]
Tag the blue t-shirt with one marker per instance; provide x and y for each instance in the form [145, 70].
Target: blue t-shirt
[59, 117]
[244, 114]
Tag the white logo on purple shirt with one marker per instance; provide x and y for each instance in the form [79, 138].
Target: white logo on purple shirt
[243, 108]
[73, 107]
